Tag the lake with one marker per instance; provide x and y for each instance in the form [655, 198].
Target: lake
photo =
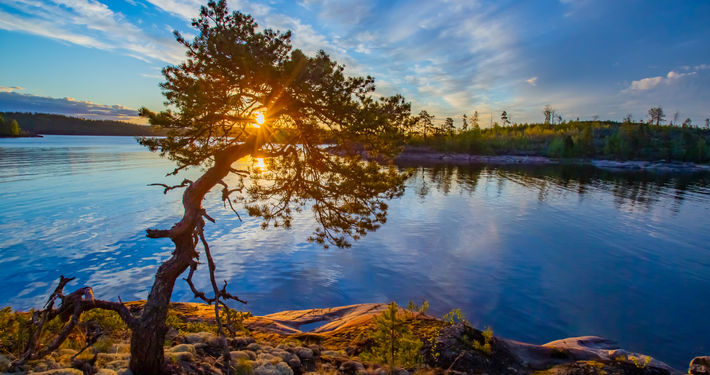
[536, 253]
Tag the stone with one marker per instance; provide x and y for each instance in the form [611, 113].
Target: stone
[105, 371]
[267, 357]
[215, 341]
[269, 368]
[352, 367]
[182, 348]
[4, 363]
[242, 354]
[304, 353]
[116, 365]
[700, 366]
[315, 349]
[241, 342]
[184, 356]
[60, 371]
[194, 338]
[68, 352]
[331, 353]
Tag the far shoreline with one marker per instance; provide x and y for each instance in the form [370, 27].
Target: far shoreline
[426, 156]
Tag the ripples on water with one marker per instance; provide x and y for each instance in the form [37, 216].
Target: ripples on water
[536, 253]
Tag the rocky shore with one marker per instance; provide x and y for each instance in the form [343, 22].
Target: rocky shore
[427, 156]
[330, 341]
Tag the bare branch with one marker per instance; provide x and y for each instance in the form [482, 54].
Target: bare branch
[73, 305]
[184, 183]
[206, 216]
[158, 233]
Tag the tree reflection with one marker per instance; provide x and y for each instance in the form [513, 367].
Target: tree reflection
[630, 190]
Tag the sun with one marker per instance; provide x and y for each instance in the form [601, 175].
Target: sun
[260, 164]
[259, 119]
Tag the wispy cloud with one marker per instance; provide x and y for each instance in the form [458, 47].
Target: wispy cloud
[16, 102]
[650, 83]
[88, 23]
[10, 88]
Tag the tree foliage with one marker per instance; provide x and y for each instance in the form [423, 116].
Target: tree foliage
[243, 92]
[235, 73]
[582, 139]
[47, 123]
[9, 128]
[656, 115]
[395, 344]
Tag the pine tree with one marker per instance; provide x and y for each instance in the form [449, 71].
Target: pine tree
[504, 118]
[4, 126]
[449, 126]
[395, 344]
[14, 128]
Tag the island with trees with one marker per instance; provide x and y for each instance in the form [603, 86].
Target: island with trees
[556, 138]
[46, 123]
[10, 128]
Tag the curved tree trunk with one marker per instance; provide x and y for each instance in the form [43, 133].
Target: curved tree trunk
[148, 333]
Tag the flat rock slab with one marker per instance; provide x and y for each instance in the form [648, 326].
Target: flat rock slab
[289, 322]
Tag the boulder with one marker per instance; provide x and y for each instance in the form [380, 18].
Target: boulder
[182, 348]
[4, 363]
[241, 342]
[269, 368]
[700, 366]
[194, 338]
[242, 354]
[351, 368]
[304, 353]
[60, 371]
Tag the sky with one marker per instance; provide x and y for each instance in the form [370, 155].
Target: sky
[585, 58]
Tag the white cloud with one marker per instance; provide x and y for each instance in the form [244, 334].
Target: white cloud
[10, 88]
[532, 81]
[649, 83]
[88, 23]
[16, 102]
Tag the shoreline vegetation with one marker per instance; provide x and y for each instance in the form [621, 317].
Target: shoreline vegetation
[607, 145]
[371, 338]
[626, 141]
[33, 124]
[421, 155]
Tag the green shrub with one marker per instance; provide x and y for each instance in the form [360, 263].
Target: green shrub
[455, 316]
[15, 331]
[108, 320]
[395, 344]
[485, 346]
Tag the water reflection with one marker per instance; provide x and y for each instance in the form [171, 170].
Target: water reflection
[538, 253]
[640, 190]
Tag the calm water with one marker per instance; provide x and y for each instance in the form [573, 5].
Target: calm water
[536, 253]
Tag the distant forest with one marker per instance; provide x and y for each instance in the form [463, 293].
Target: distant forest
[45, 123]
[576, 139]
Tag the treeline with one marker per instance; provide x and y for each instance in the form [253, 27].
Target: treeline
[9, 128]
[626, 140]
[45, 123]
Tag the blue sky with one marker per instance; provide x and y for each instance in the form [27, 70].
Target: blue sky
[586, 58]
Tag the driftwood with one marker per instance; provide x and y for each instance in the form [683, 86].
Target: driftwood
[69, 312]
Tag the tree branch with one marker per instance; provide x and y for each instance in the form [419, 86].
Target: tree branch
[184, 183]
[73, 305]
